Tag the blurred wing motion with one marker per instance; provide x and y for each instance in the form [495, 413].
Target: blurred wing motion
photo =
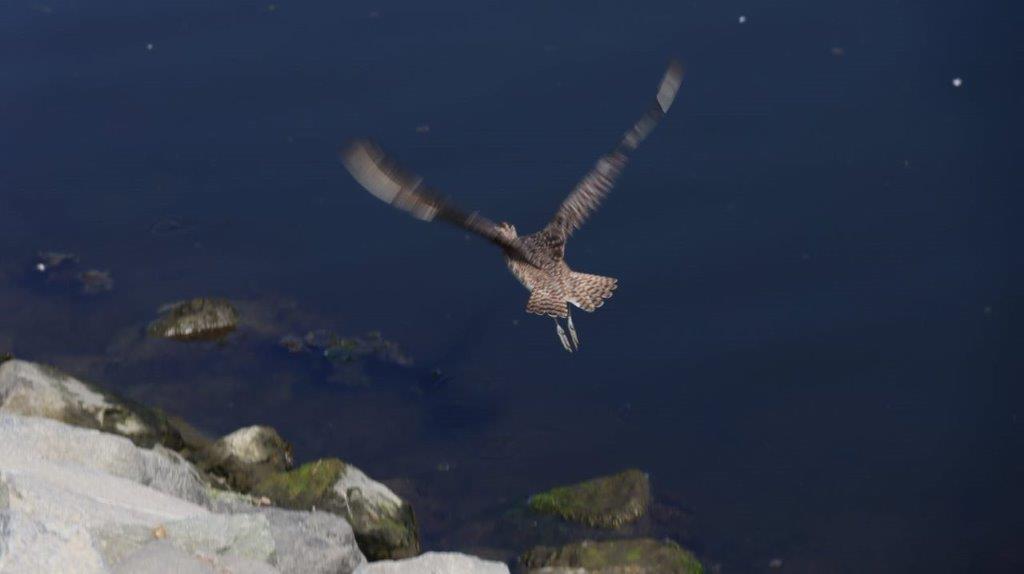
[386, 180]
[589, 192]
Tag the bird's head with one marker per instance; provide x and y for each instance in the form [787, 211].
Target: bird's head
[507, 230]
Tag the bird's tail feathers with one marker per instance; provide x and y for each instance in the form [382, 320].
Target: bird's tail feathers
[590, 291]
[544, 302]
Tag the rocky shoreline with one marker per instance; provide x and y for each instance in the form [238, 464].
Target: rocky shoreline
[91, 482]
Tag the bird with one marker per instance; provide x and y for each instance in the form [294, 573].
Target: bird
[537, 260]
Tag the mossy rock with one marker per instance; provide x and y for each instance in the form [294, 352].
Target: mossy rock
[242, 459]
[605, 502]
[195, 320]
[384, 525]
[638, 556]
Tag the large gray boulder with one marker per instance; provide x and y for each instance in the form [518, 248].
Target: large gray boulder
[312, 542]
[30, 389]
[27, 545]
[435, 563]
[78, 500]
[27, 441]
[163, 557]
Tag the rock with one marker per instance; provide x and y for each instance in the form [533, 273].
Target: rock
[313, 542]
[28, 546]
[4, 357]
[160, 557]
[638, 556]
[51, 260]
[95, 281]
[384, 524]
[40, 391]
[372, 345]
[247, 456]
[435, 563]
[243, 536]
[195, 319]
[44, 440]
[79, 500]
[605, 502]
[292, 344]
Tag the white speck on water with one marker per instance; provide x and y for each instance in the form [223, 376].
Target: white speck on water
[40, 267]
[149, 47]
[775, 563]
[743, 19]
[422, 129]
[957, 82]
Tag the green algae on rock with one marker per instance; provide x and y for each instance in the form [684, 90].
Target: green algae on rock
[384, 524]
[637, 556]
[195, 320]
[604, 502]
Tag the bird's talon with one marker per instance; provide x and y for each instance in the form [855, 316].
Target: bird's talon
[572, 333]
[562, 337]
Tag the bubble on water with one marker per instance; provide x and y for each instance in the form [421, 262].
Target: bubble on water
[742, 19]
[41, 267]
[149, 47]
[957, 82]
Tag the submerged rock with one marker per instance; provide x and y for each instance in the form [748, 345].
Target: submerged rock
[292, 343]
[95, 281]
[384, 524]
[195, 319]
[605, 502]
[638, 556]
[41, 391]
[49, 261]
[435, 563]
[373, 345]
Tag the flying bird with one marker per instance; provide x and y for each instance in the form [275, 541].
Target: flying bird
[538, 259]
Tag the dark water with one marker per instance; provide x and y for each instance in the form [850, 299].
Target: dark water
[812, 349]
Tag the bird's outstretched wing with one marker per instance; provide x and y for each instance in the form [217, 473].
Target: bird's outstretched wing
[589, 192]
[389, 182]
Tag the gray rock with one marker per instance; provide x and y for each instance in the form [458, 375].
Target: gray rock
[243, 536]
[35, 390]
[161, 557]
[63, 494]
[88, 498]
[51, 441]
[28, 547]
[435, 563]
[313, 542]
[195, 319]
